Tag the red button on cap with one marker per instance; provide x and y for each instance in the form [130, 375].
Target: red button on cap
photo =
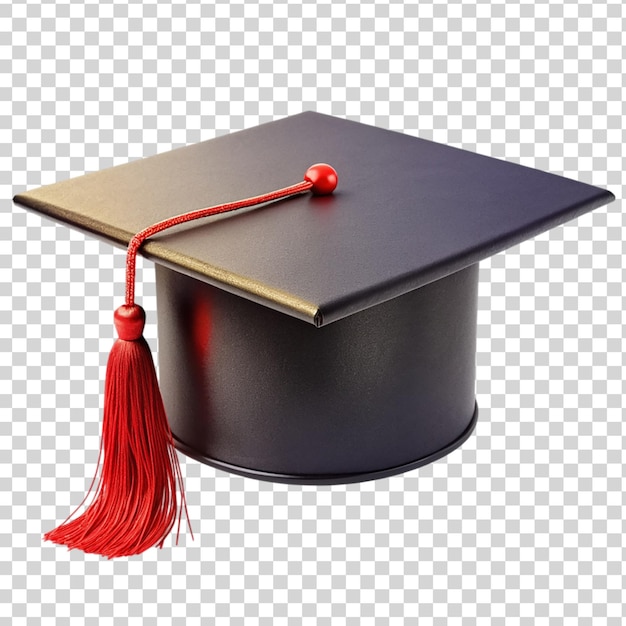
[323, 178]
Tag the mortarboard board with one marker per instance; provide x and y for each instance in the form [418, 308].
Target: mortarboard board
[319, 339]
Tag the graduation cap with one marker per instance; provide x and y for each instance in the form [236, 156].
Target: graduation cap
[314, 338]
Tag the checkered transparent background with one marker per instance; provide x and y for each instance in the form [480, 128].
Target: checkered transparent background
[523, 524]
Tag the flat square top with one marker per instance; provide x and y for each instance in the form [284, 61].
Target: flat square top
[406, 212]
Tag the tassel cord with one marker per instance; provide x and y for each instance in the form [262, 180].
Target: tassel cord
[137, 241]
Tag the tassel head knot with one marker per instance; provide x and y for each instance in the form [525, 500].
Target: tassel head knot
[129, 321]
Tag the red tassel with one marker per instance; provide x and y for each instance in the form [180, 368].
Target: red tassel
[135, 505]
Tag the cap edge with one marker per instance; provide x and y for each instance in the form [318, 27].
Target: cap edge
[339, 308]
[100, 230]
[248, 288]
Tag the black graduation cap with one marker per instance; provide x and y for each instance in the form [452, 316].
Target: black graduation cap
[319, 339]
